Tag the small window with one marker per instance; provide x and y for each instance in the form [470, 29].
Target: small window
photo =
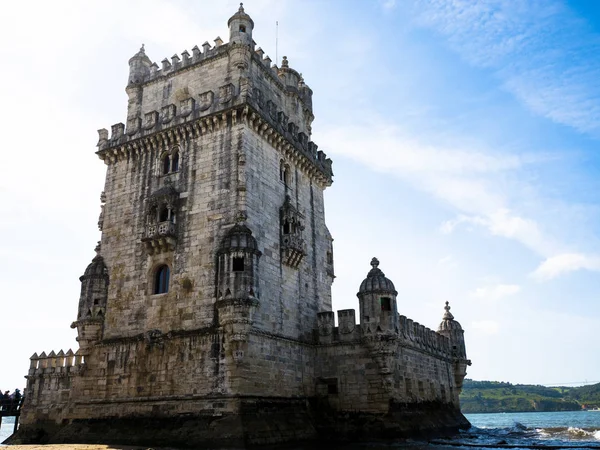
[242, 28]
[161, 280]
[164, 215]
[175, 162]
[238, 264]
[286, 227]
[386, 304]
[166, 164]
[286, 175]
[329, 258]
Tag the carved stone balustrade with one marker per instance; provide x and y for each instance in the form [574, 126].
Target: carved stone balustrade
[160, 237]
[293, 249]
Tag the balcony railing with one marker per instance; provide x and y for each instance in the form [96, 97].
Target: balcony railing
[160, 236]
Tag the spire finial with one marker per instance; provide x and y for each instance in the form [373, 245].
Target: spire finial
[375, 263]
[241, 8]
[448, 315]
[97, 249]
[142, 49]
[285, 62]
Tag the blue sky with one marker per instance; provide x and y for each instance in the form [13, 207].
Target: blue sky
[464, 136]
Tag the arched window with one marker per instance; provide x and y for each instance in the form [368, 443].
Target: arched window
[161, 280]
[175, 162]
[242, 29]
[166, 164]
[286, 175]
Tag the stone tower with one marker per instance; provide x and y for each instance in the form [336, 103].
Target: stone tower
[205, 318]
[216, 155]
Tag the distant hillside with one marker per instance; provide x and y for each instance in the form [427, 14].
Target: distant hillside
[495, 396]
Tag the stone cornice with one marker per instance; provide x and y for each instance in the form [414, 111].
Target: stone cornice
[303, 153]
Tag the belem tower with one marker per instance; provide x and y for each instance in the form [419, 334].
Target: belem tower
[205, 318]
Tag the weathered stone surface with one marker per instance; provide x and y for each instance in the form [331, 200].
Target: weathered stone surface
[205, 318]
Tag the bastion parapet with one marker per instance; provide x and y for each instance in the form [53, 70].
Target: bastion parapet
[205, 318]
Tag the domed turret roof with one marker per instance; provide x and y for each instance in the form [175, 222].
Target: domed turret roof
[239, 237]
[448, 322]
[241, 15]
[96, 269]
[376, 282]
[141, 55]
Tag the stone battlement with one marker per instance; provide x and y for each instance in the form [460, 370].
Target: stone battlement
[409, 333]
[60, 363]
[285, 76]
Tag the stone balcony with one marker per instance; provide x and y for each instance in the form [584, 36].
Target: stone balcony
[293, 249]
[160, 237]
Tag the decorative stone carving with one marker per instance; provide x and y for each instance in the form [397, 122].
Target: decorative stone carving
[205, 100]
[226, 93]
[150, 120]
[293, 247]
[272, 110]
[161, 227]
[133, 125]
[167, 113]
[186, 106]
[259, 98]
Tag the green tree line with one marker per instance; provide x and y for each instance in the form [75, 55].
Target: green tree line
[498, 396]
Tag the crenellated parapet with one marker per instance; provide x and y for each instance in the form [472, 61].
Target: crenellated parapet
[410, 334]
[56, 364]
[174, 64]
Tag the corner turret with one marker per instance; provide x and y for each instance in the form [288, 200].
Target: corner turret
[237, 286]
[139, 67]
[240, 28]
[454, 332]
[92, 302]
[377, 302]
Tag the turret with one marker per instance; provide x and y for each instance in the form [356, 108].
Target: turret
[237, 264]
[454, 332]
[139, 67]
[92, 302]
[377, 302]
[237, 286]
[240, 28]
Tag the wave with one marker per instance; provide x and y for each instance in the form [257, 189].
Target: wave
[521, 436]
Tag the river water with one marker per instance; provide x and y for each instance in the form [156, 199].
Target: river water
[549, 430]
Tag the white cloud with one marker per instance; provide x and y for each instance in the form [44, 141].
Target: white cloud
[505, 223]
[496, 292]
[540, 51]
[464, 178]
[486, 326]
[564, 263]
[388, 5]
